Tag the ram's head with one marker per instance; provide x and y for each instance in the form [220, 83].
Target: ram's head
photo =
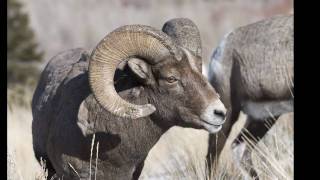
[177, 92]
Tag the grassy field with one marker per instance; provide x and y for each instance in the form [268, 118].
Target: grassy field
[273, 156]
[21, 161]
[179, 154]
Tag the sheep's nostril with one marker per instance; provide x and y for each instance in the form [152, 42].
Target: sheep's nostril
[219, 113]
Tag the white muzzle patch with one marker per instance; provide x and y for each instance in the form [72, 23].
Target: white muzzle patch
[213, 116]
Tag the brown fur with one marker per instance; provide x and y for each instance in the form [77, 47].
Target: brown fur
[66, 115]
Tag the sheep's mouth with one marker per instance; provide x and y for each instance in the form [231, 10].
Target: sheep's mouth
[196, 121]
[211, 124]
[211, 127]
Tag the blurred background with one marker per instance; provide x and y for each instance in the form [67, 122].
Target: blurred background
[39, 29]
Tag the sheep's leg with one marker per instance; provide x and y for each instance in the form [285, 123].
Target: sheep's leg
[254, 131]
[217, 141]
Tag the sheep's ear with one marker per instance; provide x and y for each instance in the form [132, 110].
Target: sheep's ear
[140, 68]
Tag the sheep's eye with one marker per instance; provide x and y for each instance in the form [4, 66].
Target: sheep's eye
[171, 79]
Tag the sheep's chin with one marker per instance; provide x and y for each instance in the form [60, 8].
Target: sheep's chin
[190, 118]
[212, 129]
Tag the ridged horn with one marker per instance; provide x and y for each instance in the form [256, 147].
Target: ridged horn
[128, 41]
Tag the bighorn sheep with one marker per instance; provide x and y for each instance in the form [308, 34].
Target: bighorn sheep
[158, 84]
[252, 70]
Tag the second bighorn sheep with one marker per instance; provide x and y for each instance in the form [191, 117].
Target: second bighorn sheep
[159, 85]
[252, 70]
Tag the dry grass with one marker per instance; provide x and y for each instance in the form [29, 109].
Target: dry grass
[21, 161]
[179, 154]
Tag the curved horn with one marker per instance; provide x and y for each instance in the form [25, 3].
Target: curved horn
[127, 41]
[185, 34]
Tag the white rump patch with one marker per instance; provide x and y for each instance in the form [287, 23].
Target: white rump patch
[218, 52]
[215, 70]
[215, 67]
